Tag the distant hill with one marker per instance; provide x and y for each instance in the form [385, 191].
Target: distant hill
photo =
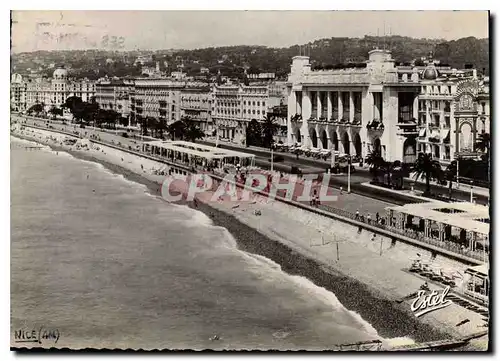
[232, 60]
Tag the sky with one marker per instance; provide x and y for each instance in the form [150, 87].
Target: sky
[128, 30]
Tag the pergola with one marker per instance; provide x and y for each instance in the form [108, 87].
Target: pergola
[194, 154]
[438, 221]
[478, 284]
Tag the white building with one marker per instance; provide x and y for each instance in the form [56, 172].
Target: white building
[55, 91]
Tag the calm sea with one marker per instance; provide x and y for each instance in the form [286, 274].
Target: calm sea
[98, 258]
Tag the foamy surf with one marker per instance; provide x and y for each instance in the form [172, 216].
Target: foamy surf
[319, 293]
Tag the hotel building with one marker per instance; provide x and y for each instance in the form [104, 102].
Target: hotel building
[196, 104]
[51, 92]
[454, 108]
[156, 98]
[114, 94]
[235, 105]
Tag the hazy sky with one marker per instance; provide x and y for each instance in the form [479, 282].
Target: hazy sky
[44, 30]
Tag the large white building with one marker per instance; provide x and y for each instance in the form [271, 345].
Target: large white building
[50, 92]
[367, 108]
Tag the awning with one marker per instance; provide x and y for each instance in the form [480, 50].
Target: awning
[445, 133]
[421, 133]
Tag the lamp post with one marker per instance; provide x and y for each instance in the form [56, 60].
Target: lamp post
[349, 174]
[471, 194]
[272, 157]
[332, 164]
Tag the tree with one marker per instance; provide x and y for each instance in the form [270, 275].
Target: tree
[376, 163]
[269, 129]
[185, 129]
[254, 133]
[36, 108]
[193, 132]
[177, 130]
[71, 103]
[428, 168]
[55, 111]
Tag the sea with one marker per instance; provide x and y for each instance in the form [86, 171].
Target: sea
[106, 264]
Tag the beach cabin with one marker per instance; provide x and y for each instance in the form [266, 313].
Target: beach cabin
[477, 283]
[197, 155]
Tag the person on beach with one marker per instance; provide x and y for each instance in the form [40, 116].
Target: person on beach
[340, 190]
[357, 214]
[368, 218]
[377, 217]
[373, 237]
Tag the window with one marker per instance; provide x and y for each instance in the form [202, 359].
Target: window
[253, 103]
[263, 104]
[253, 111]
[244, 111]
[258, 104]
[258, 111]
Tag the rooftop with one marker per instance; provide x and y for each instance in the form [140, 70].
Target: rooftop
[464, 215]
[199, 150]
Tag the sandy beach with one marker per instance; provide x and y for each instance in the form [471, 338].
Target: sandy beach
[367, 276]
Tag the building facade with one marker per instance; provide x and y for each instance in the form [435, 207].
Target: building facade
[397, 111]
[156, 98]
[196, 104]
[454, 108]
[236, 105]
[355, 111]
[18, 93]
[114, 94]
[50, 92]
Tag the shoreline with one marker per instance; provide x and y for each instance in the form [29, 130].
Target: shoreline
[391, 320]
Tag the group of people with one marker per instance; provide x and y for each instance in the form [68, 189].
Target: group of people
[378, 219]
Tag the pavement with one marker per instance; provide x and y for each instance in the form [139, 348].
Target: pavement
[359, 178]
[362, 175]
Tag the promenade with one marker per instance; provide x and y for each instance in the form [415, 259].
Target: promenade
[346, 205]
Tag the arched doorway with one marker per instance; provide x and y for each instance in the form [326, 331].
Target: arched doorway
[357, 144]
[335, 140]
[314, 137]
[345, 143]
[324, 139]
[298, 136]
[466, 137]
[410, 150]
[377, 147]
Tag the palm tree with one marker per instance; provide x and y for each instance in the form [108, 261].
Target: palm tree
[428, 168]
[193, 132]
[376, 162]
[185, 129]
[269, 129]
[254, 133]
[177, 130]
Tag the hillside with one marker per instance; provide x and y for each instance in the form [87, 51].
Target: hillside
[232, 61]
